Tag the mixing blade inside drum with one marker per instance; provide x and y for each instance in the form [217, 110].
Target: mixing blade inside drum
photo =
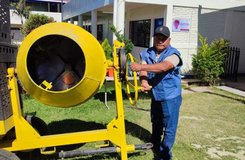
[56, 60]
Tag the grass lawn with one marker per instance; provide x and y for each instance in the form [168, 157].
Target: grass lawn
[211, 124]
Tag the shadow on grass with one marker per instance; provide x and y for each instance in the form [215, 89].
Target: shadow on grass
[111, 156]
[137, 131]
[225, 96]
[60, 127]
[74, 125]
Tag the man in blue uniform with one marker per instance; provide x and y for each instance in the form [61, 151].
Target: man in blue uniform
[159, 72]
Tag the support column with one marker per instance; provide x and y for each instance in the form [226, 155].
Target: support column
[119, 15]
[58, 7]
[152, 32]
[94, 23]
[48, 7]
[169, 16]
[80, 20]
[71, 20]
[114, 17]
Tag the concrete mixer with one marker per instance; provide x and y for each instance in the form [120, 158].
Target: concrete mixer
[62, 65]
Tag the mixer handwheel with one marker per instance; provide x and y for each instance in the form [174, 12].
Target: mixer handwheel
[129, 85]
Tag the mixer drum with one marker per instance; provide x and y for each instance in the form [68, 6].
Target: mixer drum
[61, 64]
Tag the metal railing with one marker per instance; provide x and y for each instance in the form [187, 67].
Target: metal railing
[231, 64]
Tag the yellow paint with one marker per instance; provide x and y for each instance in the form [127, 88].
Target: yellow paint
[95, 61]
[133, 85]
[27, 138]
[6, 125]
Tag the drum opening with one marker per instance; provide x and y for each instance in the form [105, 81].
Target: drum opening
[56, 62]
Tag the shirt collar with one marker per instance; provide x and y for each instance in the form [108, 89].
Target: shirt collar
[153, 53]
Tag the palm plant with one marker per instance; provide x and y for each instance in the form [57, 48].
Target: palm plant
[21, 9]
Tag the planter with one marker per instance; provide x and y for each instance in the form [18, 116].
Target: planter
[110, 72]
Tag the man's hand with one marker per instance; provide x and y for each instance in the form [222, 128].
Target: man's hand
[135, 66]
[145, 87]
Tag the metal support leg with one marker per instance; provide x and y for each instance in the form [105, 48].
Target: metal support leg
[106, 97]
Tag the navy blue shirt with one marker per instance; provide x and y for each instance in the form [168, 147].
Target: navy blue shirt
[166, 85]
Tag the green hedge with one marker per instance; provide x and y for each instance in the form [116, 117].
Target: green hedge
[209, 61]
[107, 48]
[34, 21]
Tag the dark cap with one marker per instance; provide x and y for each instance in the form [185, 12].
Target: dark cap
[163, 30]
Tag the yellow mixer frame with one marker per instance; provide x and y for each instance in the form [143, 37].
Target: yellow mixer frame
[28, 138]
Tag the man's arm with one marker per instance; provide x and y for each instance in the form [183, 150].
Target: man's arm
[141, 72]
[169, 63]
[144, 80]
[158, 67]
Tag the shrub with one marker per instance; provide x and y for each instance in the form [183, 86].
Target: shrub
[121, 38]
[107, 48]
[34, 21]
[21, 9]
[208, 62]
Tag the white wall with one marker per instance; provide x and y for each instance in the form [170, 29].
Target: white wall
[228, 24]
[145, 12]
[16, 20]
[186, 42]
[55, 15]
[210, 23]
[237, 36]
[16, 36]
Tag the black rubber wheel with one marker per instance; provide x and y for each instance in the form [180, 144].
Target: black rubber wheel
[38, 124]
[42, 128]
[6, 155]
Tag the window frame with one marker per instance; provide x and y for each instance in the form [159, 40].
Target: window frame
[139, 32]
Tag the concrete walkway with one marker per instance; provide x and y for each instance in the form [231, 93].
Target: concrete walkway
[237, 88]
[232, 90]
[239, 84]
[206, 89]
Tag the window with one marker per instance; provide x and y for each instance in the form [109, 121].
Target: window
[54, 7]
[158, 22]
[38, 6]
[87, 27]
[100, 32]
[140, 32]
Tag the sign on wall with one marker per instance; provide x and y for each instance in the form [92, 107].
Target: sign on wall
[158, 22]
[180, 25]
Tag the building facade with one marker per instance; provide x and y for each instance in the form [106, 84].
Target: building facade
[186, 19]
[50, 8]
